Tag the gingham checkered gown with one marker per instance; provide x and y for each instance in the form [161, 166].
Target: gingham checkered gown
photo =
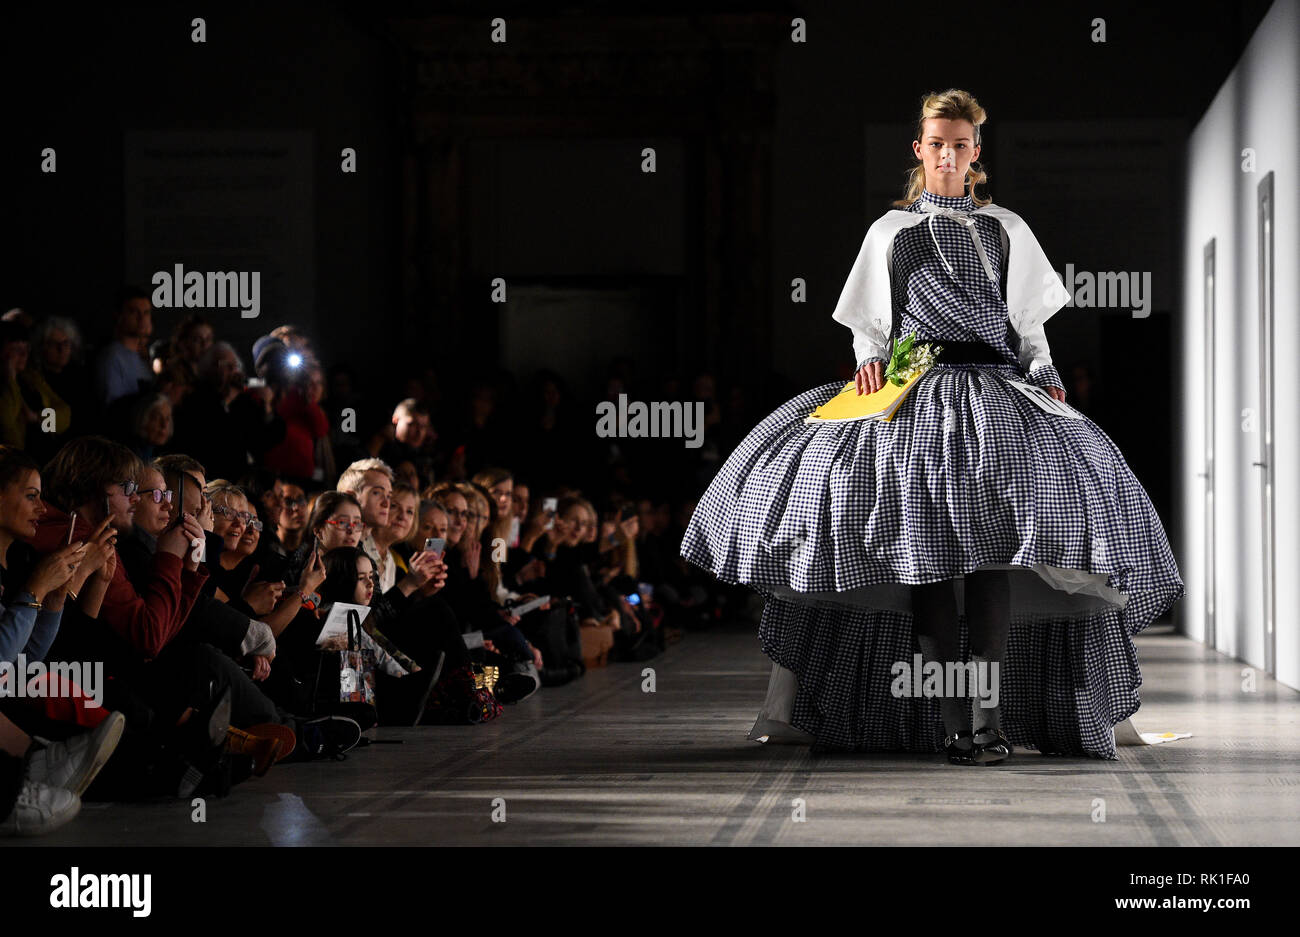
[968, 473]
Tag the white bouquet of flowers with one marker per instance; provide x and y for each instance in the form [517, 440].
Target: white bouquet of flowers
[910, 360]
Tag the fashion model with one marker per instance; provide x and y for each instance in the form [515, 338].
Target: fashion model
[976, 532]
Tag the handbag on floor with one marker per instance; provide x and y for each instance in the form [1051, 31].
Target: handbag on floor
[462, 697]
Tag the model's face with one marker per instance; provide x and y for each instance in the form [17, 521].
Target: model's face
[153, 516]
[946, 148]
[21, 505]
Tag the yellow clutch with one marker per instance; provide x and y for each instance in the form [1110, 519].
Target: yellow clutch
[849, 405]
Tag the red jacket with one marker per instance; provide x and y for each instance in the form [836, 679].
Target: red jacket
[304, 423]
[148, 619]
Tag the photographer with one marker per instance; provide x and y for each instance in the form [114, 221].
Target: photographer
[295, 393]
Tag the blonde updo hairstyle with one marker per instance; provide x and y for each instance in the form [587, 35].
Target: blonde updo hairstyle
[953, 104]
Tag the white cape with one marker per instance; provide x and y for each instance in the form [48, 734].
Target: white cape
[1034, 290]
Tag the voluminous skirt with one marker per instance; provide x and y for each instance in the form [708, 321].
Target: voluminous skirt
[835, 522]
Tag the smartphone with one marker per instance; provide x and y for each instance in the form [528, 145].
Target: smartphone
[628, 512]
[72, 524]
[434, 544]
[178, 501]
[633, 599]
[549, 505]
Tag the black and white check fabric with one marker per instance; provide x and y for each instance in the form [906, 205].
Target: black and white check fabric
[969, 473]
[961, 305]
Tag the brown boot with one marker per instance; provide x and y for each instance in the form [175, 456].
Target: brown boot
[273, 730]
[262, 749]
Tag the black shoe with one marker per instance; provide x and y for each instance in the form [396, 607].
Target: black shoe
[327, 737]
[517, 682]
[198, 748]
[959, 754]
[363, 714]
[402, 699]
[995, 750]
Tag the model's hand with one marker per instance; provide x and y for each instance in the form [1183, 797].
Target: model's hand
[1057, 393]
[870, 377]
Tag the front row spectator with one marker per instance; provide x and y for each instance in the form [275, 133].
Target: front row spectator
[40, 784]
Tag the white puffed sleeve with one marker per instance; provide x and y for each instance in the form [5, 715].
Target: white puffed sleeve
[865, 304]
[1034, 294]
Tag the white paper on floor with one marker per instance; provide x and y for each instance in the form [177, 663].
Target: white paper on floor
[1127, 734]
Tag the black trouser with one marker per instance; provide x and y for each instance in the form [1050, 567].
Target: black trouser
[192, 675]
[428, 627]
[554, 634]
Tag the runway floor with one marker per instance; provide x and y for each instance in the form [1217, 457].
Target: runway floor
[603, 762]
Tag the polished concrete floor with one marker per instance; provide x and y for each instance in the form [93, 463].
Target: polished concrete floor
[603, 762]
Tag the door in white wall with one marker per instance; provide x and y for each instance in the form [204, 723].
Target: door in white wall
[1264, 208]
[1207, 277]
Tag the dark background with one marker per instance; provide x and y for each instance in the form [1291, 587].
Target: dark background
[522, 161]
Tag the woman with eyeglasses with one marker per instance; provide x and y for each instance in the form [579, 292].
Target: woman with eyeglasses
[336, 522]
[471, 598]
[401, 686]
[291, 519]
[240, 530]
[179, 697]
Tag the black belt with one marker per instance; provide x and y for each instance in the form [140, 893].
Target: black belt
[965, 352]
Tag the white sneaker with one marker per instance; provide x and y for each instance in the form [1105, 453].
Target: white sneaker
[73, 763]
[40, 809]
